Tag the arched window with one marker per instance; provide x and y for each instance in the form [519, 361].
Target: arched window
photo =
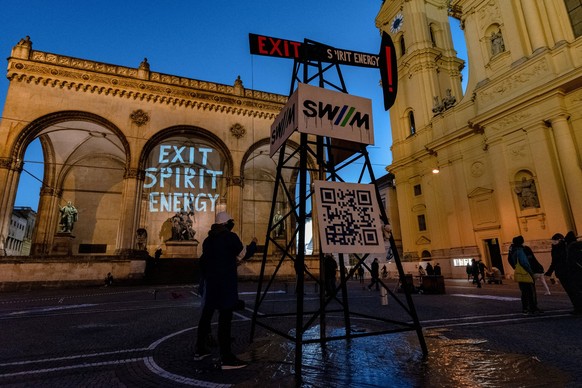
[411, 123]
[402, 45]
[432, 35]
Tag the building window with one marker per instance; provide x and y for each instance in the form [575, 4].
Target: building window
[574, 8]
[402, 46]
[417, 190]
[432, 38]
[421, 222]
[411, 122]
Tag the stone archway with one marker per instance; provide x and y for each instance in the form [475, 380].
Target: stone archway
[86, 158]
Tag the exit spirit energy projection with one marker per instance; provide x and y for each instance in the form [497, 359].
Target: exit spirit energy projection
[183, 176]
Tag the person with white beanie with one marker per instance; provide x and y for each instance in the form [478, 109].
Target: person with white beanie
[222, 251]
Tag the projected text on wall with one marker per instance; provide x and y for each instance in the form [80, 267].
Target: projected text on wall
[183, 179]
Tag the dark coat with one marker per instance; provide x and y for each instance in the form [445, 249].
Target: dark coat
[218, 268]
[559, 259]
[375, 270]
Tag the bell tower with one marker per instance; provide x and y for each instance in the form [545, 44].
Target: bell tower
[428, 68]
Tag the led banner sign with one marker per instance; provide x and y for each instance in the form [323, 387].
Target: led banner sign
[326, 113]
[385, 61]
[284, 48]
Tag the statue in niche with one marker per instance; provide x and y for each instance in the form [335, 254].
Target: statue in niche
[527, 193]
[141, 239]
[69, 216]
[497, 44]
[279, 226]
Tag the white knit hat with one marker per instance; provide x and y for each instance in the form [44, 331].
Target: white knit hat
[223, 218]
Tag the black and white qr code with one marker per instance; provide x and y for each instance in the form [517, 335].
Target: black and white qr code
[349, 216]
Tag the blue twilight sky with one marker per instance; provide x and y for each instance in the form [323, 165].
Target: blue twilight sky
[205, 40]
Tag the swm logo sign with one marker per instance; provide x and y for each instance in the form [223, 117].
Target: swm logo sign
[347, 114]
[323, 112]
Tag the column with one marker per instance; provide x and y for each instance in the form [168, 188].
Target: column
[570, 164]
[47, 221]
[234, 203]
[9, 174]
[130, 208]
[554, 19]
[534, 25]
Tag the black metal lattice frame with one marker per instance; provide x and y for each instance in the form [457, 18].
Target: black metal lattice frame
[321, 150]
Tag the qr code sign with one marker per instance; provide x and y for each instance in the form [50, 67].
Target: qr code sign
[348, 217]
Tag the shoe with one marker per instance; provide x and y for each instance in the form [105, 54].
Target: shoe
[232, 363]
[537, 311]
[201, 354]
[547, 293]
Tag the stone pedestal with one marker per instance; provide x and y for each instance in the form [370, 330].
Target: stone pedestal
[63, 244]
[181, 250]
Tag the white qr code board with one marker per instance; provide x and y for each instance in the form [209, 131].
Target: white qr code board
[348, 216]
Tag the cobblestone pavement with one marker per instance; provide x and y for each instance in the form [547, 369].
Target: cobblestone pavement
[143, 337]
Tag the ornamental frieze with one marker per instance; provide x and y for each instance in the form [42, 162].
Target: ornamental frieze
[88, 76]
[509, 84]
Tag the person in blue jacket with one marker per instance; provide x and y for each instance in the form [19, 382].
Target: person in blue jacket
[528, 292]
[222, 251]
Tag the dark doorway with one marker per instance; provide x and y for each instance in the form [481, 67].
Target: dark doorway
[495, 254]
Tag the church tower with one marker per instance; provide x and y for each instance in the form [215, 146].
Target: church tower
[474, 170]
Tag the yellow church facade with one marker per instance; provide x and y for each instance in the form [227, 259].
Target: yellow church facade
[473, 169]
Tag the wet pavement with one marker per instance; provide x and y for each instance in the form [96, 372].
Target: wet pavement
[143, 337]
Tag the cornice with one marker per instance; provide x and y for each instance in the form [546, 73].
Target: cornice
[59, 71]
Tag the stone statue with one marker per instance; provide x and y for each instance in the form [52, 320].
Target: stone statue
[278, 224]
[527, 193]
[437, 107]
[182, 227]
[497, 44]
[141, 239]
[449, 99]
[144, 65]
[69, 216]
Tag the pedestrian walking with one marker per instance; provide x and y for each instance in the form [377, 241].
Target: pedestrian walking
[375, 273]
[221, 251]
[475, 272]
[523, 275]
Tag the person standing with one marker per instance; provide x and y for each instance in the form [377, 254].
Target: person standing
[330, 269]
[568, 266]
[437, 270]
[375, 272]
[518, 258]
[429, 269]
[221, 252]
[475, 272]
[361, 273]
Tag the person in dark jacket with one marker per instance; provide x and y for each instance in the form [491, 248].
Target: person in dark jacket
[221, 252]
[375, 272]
[565, 255]
[330, 269]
